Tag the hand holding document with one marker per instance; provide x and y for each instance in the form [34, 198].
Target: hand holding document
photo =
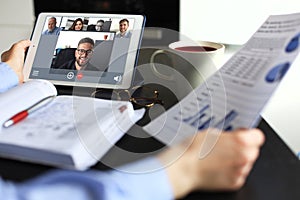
[234, 96]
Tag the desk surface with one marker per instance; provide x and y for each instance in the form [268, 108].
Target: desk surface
[276, 174]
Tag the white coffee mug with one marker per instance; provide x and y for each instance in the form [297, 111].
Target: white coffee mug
[205, 57]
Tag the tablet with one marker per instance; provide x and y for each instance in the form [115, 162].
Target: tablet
[88, 50]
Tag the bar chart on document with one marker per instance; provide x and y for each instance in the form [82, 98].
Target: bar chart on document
[234, 96]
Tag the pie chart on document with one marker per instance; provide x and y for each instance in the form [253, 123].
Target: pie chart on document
[293, 44]
[277, 72]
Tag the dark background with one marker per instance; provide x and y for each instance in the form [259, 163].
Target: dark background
[159, 13]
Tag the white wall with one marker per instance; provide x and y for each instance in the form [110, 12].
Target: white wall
[16, 21]
[229, 21]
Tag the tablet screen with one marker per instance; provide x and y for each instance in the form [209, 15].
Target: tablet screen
[92, 50]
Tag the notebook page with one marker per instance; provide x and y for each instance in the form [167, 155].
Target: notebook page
[23, 96]
[82, 127]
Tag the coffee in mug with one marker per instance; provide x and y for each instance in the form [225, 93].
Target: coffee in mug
[204, 56]
[195, 48]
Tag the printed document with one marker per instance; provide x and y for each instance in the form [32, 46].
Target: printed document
[235, 95]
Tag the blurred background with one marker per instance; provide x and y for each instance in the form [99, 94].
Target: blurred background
[18, 16]
[231, 22]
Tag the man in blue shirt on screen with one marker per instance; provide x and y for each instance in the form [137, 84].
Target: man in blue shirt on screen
[123, 29]
[52, 28]
[171, 174]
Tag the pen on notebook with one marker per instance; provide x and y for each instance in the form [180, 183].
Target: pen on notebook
[23, 114]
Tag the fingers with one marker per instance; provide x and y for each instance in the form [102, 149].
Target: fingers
[246, 147]
[17, 48]
[14, 57]
[23, 44]
[238, 177]
[249, 137]
[229, 160]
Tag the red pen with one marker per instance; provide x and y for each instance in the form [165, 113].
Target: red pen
[23, 114]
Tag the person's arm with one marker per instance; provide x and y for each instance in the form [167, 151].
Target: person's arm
[125, 183]
[172, 174]
[8, 78]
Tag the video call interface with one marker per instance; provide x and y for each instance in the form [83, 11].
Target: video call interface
[83, 49]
